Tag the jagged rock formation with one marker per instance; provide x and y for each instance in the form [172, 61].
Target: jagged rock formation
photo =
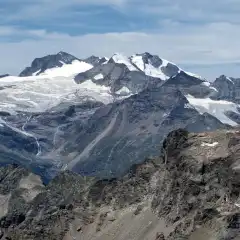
[190, 192]
[192, 85]
[95, 60]
[227, 89]
[39, 65]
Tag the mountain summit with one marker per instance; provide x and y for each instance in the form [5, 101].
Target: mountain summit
[40, 65]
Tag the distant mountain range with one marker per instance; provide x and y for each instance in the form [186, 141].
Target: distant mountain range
[98, 116]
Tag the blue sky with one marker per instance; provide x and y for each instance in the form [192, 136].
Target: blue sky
[200, 36]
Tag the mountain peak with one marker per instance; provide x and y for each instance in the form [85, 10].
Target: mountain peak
[94, 60]
[39, 65]
[62, 53]
[224, 78]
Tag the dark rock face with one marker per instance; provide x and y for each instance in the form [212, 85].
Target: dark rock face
[193, 187]
[16, 140]
[169, 70]
[151, 59]
[137, 125]
[117, 76]
[4, 75]
[228, 89]
[39, 65]
[206, 122]
[95, 60]
[201, 174]
[189, 85]
[91, 138]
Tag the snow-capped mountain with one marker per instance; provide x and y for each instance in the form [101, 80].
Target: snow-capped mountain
[85, 115]
[40, 65]
[130, 75]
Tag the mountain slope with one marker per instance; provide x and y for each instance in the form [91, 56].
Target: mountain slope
[40, 65]
[122, 106]
[130, 75]
[227, 89]
[190, 192]
[91, 139]
[134, 127]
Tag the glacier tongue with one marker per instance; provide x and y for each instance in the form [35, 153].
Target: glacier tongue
[215, 108]
[39, 93]
[67, 70]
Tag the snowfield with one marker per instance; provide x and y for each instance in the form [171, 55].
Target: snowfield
[215, 108]
[149, 69]
[67, 70]
[39, 93]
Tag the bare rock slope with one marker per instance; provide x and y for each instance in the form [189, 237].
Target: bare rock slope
[190, 192]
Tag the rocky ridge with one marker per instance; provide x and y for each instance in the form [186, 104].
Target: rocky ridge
[190, 192]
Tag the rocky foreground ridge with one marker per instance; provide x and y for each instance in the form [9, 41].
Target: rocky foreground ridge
[190, 192]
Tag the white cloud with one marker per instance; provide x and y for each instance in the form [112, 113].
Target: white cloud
[186, 32]
[214, 43]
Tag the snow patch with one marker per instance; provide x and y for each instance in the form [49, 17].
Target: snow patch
[194, 75]
[209, 144]
[165, 63]
[119, 58]
[99, 76]
[67, 70]
[237, 205]
[188, 105]
[123, 90]
[213, 88]
[89, 84]
[155, 72]
[35, 74]
[149, 69]
[229, 79]
[63, 63]
[138, 61]
[215, 108]
[206, 84]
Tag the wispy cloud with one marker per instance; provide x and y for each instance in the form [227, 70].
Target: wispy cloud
[208, 44]
[186, 32]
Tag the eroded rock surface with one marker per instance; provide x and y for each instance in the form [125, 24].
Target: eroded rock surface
[190, 192]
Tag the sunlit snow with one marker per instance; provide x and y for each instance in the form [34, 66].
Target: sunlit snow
[148, 69]
[204, 144]
[123, 90]
[229, 80]
[99, 76]
[39, 93]
[215, 108]
[67, 70]
[119, 58]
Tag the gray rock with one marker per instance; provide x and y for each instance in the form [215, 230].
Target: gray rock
[227, 89]
[39, 65]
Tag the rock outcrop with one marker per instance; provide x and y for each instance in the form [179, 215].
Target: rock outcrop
[190, 192]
